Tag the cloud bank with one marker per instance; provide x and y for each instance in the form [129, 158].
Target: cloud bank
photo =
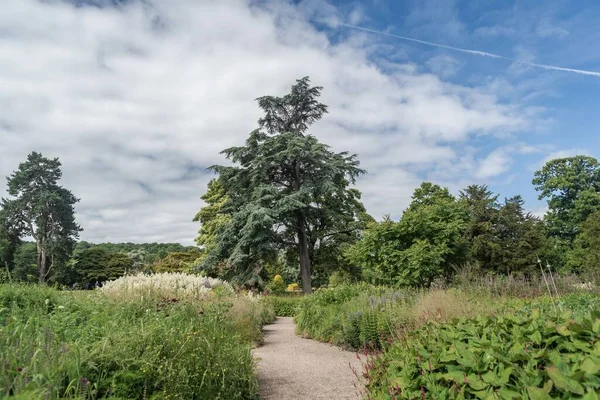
[137, 100]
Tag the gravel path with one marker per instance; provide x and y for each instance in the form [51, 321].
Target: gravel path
[291, 367]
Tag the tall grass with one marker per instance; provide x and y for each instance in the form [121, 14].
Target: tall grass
[72, 345]
[472, 280]
[167, 285]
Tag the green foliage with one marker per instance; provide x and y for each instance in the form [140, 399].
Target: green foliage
[423, 245]
[340, 277]
[520, 239]
[482, 208]
[572, 187]
[181, 261]
[92, 265]
[211, 216]
[585, 255]
[83, 345]
[284, 306]
[142, 253]
[286, 190]
[539, 356]
[502, 238]
[24, 263]
[42, 209]
[277, 285]
[355, 315]
[9, 242]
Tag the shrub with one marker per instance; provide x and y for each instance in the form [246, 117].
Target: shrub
[284, 306]
[511, 357]
[354, 316]
[292, 287]
[339, 277]
[277, 285]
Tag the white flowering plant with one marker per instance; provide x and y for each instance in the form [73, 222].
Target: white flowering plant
[166, 285]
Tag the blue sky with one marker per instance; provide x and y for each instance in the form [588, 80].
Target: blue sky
[137, 98]
[559, 33]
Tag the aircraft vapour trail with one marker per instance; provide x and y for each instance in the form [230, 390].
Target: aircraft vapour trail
[475, 52]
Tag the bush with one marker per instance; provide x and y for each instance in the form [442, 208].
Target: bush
[354, 316]
[284, 306]
[86, 345]
[511, 357]
[277, 285]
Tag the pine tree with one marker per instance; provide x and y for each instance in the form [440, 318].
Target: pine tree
[42, 209]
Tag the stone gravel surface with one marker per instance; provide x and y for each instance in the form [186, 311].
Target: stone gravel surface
[291, 367]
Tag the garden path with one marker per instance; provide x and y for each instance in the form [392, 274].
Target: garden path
[291, 367]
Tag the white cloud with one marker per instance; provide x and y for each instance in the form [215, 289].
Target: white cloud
[137, 101]
[495, 30]
[495, 163]
[563, 154]
[444, 65]
[547, 28]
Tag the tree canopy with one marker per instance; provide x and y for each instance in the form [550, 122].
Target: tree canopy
[42, 209]
[286, 189]
[572, 187]
[423, 245]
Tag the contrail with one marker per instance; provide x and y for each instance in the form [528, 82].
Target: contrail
[476, 52]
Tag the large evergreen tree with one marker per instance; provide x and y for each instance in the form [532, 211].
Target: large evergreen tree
[42, 209]
[286, 189]
[520, 237]
[482, 208]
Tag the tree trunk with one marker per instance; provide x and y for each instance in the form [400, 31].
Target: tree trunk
[304, 257]
[41, 262]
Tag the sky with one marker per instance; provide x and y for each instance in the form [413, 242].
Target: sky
[138, 97]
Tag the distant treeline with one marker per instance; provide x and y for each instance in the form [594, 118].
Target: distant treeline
[91, 264]
[153, 251]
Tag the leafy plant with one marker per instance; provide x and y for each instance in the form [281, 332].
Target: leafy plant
[539, 356]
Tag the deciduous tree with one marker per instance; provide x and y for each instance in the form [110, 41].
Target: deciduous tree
[572, 187]
[426, 242]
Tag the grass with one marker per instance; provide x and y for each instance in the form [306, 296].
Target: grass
[88, 345]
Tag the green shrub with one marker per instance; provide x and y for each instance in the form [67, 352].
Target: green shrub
[284, 306]
[354, 316]
[72, 345]
[539, 356]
